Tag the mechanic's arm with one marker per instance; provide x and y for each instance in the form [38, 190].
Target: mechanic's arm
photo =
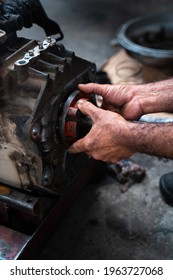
[112, 138]
[133, 101]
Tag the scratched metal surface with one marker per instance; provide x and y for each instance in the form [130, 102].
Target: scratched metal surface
[11, 243]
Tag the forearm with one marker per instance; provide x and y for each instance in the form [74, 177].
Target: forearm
[155, 97]
[152, 139]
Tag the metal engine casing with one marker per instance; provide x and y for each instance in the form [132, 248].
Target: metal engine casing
[36, 79]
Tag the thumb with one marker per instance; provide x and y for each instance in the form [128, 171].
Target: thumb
[87, 108]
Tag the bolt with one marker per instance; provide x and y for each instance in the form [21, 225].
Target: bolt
[40, 44]
[49, 39]
[47, 176]
[35, 131]
[27, 56]
[31, 52]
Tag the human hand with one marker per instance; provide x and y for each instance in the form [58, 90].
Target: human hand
[118, 98]
[110, 137]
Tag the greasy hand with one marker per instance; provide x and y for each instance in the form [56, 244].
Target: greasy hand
[117, 98]
[108, 138]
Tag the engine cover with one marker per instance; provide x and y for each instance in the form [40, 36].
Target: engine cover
[36, 79]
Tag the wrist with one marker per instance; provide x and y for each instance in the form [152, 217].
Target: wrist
[127, 136]
[155, 97]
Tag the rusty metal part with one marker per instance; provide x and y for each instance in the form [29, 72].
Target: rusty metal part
[11, 243]
[39, 180]
[36, 80]
[30, 204]
[29, 244]
[73, 124]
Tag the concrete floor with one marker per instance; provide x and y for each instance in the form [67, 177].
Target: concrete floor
[105, 223]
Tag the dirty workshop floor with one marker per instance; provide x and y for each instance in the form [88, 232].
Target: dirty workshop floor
[105, 223]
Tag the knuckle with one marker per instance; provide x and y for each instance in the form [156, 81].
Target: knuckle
[94, 115]
[88, 145]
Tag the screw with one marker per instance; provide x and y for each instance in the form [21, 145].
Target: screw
[40, 44]
[35, 131]
[49, 39]
[31, 52]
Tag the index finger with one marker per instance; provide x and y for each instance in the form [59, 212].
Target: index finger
[92, 88]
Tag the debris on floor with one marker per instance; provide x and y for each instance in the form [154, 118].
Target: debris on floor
[126, 172]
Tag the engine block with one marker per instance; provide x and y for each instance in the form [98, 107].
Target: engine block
[36, 80]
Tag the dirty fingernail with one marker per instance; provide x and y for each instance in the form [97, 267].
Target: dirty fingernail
[81, 101]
